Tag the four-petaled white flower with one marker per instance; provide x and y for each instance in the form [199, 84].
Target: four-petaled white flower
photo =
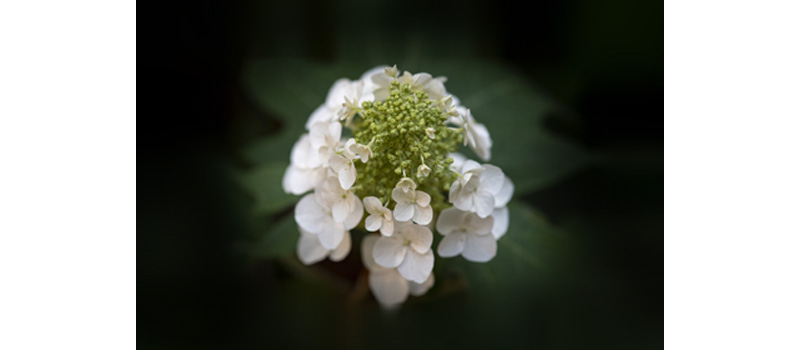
[408, 250]
[343, 202]
[387, 284]
[310, 250]
[411, 204]
[476, 188]
[380, 217]
[329, 212]
[476, 135]
[467, 234]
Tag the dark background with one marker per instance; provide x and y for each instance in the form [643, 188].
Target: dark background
[603, 61]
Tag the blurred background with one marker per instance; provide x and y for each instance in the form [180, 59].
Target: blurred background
[572, 93]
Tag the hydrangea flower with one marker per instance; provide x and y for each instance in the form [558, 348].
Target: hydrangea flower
[380, 217]
[412, 205]
[328, 213]
[408, 250]
[476, 188]
[387, 284]
[400, 156]
[467, 234]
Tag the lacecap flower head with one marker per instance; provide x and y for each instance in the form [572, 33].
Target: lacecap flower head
[387, 144]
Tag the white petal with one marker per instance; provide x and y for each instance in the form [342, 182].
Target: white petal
[341, 210]
[423, 199]
[420, 237]
[479, 225]
[337, 92]
[484, 204]
[296, 180]
[355, 216]
[458, 160]
[362, 151]
[309, 214]
[373, 222]
[452, 244]
[469, 164]
[435, 88]
[375, 78]
[347, 177]
[345, 170]
[347, 150]
[422, 79]
[492, 179]
[472, 180]
[388, 228]
[321, 114]
[455, 121]
[449, 220]
[483, 143]
[373, 205]
[388, 287]
[460, 198]
[328, 192]
[367, 246]
[479, 248]
[416, 267]
[389, 252]
[423, 215]
[343, 249]
[303, 153]
[417, 289]
[401, 196]
[331, 235]
[403, 211]
[317, 134]
[504, 195]
[500, 225]
[309, 250]
[333, 133]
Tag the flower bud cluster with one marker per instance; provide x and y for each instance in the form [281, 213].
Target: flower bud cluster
[401, 161]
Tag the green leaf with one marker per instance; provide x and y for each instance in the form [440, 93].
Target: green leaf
[527, 254]
[280, 239]
[264, 183]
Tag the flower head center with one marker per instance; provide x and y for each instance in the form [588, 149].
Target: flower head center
[399, 129]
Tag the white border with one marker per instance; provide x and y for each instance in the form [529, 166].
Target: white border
[732, 178]
[67, 175]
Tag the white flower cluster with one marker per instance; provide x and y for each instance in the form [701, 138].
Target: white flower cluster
[400, 258]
